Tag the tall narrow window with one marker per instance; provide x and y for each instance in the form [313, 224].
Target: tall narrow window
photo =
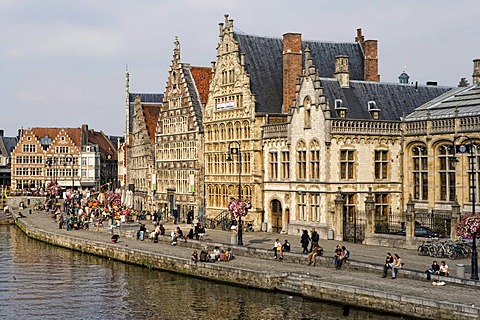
[346, 164]
[301, 161]
[285, 164]
[306, 106]
[314, 160]
[315, 207]
[381, 164]
[382, 207]
[420, 173]
[273, 165]
[447, 173]
[302, 206]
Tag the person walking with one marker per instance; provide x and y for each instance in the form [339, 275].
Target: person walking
[305, 240]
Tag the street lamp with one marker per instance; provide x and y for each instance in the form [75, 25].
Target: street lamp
[462, 149]
[231, 151]
[70, 159]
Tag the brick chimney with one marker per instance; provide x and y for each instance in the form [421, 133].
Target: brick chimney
[342, 73]
[84, 134]
[476, 71]
[292, 67]
[370, 51]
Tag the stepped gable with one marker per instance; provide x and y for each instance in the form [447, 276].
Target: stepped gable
[264, 64]
[202, 77]
[145, 98]
[194, 91]
[394, 100]
[465, 101]
[74, 133]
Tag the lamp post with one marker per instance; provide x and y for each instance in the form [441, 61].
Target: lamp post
[231, 151]
[70, 159]
[462, 149]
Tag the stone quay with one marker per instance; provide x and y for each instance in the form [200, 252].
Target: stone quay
[357, 284]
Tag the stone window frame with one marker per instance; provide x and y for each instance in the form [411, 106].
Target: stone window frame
[446, 173]
[419, 155]
[273, 165]
[382, 204]
[314, 161]
[381, 164]
[347, 164]
[301, 160]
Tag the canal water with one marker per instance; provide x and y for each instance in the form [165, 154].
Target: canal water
[39, 281]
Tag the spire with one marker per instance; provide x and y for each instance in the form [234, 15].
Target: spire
[127, 103]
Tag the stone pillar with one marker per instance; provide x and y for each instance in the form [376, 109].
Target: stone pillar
[476, 71]
[455, 219]
[370, 212]
[410, 217]
[338, 218]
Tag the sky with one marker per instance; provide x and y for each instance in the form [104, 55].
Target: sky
[63, 62]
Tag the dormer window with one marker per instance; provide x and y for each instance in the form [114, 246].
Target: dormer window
[373, 109]
[341, 110]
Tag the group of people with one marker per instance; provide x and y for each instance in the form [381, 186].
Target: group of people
[437, 269]
[216, 255]
[279, 249]
[307, 240]
[392, 262]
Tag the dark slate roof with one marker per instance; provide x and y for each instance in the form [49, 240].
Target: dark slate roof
[264, 64]
[194, 96]
[466, 100]
[394, 100]
[156, 98]
[10, 143]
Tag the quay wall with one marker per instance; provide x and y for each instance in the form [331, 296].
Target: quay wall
[299, 284]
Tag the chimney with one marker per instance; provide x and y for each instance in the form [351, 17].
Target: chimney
[360, 38]
[370, 51]
[292, 67]
[476, 71]
[84, 134]
[341, 71]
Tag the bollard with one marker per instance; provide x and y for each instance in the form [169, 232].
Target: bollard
[330, 234]
[461, 271]
[233, 239]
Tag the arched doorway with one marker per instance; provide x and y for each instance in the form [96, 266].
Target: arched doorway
[276, 209]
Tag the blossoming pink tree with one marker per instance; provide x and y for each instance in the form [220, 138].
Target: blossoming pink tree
[239, 207]
[469, 226]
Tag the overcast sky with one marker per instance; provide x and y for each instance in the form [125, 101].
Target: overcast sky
[63, 62]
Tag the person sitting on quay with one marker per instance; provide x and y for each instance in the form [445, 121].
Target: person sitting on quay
[229, 255]
[277, 249]
[286, 246]
[216, 252]
[345, 255]
[114, 238]
[201, 231]
[141, 232]
[312, 256]
[191, 234]
[177, 234]
[388, 264]
[433, 270]
[195, 256]
[204, 256]
[338, 258]
[396, 265]
[443, 271]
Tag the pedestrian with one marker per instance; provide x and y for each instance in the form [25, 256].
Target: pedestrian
[277, 249]
[315, 238]
[305, 240]
[387, 265]
[195, 256]
[338, 257]
[433, 270]
[443, 269]
[397, 264]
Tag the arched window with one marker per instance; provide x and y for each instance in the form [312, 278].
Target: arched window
[301, 160]
[420, 172]
[314, 160]
[446, 171]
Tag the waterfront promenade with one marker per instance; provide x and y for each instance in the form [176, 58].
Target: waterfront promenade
[410, 292]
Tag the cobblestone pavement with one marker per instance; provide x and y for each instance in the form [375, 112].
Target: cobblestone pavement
[410, 287]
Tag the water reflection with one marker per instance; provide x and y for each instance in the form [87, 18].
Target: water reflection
[39, 281]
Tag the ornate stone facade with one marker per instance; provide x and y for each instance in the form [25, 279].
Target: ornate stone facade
[179, 139]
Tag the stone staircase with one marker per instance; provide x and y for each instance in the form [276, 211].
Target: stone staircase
[293, 283]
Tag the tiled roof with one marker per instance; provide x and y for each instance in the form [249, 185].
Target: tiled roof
[145, 98]
[393, 99]
[10, 143]
[74, 133]
[150, 113]
[264, 64]
[104, 144]
[466, 100]
[202, 77]
[194, 94]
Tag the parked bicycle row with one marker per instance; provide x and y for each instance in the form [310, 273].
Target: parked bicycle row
[459, 249]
